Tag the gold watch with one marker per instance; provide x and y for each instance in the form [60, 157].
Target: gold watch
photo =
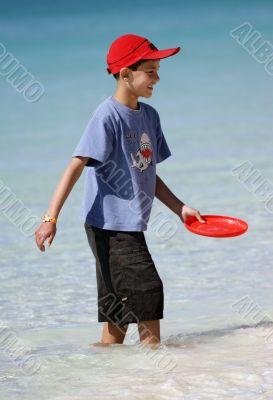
[47, 218]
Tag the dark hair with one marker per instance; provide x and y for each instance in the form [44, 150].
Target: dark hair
[133, 67]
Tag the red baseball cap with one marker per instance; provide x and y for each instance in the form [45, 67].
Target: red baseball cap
[128, 49]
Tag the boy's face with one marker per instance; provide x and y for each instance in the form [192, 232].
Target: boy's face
[142, 81]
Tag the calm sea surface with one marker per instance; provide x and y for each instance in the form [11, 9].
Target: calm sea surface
[215, 104]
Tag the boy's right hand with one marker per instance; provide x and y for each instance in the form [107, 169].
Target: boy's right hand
[47, 230]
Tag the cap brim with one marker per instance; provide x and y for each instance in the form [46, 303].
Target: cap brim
[158, 54]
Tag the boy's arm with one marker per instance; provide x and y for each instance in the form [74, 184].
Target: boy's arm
[47, 230]
[163, 193]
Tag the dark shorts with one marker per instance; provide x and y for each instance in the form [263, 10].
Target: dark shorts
[129, 287]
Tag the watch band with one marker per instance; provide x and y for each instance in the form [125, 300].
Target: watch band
[47, 218]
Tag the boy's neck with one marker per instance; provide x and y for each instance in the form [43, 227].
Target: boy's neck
[127, 99]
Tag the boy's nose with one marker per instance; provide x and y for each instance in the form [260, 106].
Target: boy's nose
[157, 77]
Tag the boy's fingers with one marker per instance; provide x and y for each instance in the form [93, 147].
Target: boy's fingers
[40, 238]
[42, 247]
[40, 244]
[50, 239]
[200, 219]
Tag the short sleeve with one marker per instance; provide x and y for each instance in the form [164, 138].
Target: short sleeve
[96, 141]
[163, 150]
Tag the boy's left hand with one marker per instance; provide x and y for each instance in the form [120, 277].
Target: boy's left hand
[189, 212]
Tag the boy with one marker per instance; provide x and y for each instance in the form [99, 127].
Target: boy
[121, 145]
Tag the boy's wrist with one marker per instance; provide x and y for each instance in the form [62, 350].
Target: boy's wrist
[179, 207]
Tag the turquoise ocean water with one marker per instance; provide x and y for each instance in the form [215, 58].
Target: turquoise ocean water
[215, 104]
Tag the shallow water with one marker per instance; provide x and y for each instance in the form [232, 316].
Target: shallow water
[215, 101]
[218, 364]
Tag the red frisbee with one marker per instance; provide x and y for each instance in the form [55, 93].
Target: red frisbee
[216, 226]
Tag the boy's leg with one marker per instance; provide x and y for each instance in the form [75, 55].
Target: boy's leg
[113, 333]
[149, 331]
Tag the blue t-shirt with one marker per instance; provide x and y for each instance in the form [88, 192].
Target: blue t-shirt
[124, 146]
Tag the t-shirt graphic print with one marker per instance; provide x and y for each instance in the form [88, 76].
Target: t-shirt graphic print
[144, 154]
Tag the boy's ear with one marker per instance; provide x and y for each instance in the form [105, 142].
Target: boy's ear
[124, 73]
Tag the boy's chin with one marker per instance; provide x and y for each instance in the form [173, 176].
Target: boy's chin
[147, 95]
